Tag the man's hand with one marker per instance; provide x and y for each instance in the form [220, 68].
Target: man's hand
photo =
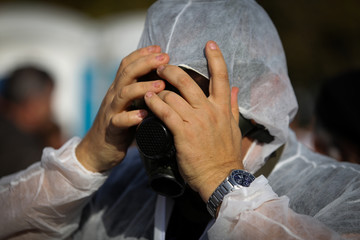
[206, 133]
[106, 143]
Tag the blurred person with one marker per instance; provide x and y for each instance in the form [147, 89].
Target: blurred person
[215, 159]
[303, 122]
[26, 124]
[337, 115]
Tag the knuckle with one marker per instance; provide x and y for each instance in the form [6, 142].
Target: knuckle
[167, 96]
[111, 89]
[166, 114]
[150, 60]
[143, 51]
[124, 63]
[220, 75]
[143, 87]
[184, 81]
[113, 105]
[123, 93]
[125, 72]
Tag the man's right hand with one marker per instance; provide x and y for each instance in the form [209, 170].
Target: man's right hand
[106, 143]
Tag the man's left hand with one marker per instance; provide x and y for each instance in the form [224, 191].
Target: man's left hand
[205, 129]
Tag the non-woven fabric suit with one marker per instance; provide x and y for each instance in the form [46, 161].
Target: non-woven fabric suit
[322, 195]
[124, 208]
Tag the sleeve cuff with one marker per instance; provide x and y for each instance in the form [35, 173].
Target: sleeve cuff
[247, 198]
[65, 161]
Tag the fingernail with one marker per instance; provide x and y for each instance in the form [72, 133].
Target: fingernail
[160, 68]
[149, 94]
[151, 48]
[212, 46]
[156, 84]
[160, 57]
[142, 114]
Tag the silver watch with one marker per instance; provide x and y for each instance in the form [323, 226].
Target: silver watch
[236, 179]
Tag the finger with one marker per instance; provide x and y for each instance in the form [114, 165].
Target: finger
[138, 54]
[128, 119]
[219, 82]
[163, 111]
[234, 103]
[129, 93]
[177, 103]
[139, 67]
[188, 88]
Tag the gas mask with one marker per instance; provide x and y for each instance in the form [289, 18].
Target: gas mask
[156, 144]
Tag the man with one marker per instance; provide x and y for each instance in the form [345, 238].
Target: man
[336, 135]
[207, 140]
[26, 124]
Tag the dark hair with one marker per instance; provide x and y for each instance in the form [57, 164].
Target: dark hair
[24, 82]
[337, 110]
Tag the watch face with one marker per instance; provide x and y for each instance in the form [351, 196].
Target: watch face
[242, 178]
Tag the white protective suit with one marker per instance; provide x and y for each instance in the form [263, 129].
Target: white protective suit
[45, 200]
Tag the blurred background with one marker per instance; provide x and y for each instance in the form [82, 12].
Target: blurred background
[81, 43]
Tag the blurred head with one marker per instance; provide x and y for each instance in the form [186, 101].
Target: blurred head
[337, 117]
[26, 93]
[252, 50]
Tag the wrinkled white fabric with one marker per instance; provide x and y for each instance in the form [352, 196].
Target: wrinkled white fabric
[124, 206]
[47, 198]
[45, 201]
[251, 47]
[323, 196]
[258, 213]
[320, 187]
[321, 202]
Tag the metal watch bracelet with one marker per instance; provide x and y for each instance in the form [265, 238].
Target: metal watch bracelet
[237, 178]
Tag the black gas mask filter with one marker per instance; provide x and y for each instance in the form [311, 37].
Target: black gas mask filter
[156, 144]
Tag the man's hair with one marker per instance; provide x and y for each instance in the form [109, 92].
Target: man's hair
[25, 82]
[337, 113]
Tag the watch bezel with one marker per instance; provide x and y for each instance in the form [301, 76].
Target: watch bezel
[241, 177]
[228, 185]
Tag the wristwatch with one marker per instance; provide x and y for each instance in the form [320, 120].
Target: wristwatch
[237, 179]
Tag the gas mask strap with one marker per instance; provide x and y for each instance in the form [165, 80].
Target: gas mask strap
[255, 131]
